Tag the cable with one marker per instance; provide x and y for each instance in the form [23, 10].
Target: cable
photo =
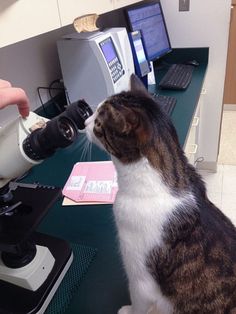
[198, 160]
[40, 98]
[49, 89]
[58, 81]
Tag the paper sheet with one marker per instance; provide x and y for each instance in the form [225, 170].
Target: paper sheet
[91, 182]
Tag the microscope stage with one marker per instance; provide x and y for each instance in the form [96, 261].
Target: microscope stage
[17, 227]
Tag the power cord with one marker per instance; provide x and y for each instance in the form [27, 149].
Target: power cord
[50, 88]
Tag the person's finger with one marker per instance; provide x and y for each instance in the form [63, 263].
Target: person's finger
[15, 96]
[4, 84]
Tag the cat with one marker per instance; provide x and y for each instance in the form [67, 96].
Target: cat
[178, 248]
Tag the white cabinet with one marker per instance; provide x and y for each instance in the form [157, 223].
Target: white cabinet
[21, 19]
[70, 9]
[123, 3]
[192, 147]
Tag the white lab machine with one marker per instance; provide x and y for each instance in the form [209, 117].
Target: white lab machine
[95, 65]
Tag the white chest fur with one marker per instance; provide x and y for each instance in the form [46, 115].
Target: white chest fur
[143, 205]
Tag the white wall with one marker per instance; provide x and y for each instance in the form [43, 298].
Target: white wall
[28, 64]
[205, 25]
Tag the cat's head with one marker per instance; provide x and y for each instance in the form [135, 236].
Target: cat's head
[128, 124]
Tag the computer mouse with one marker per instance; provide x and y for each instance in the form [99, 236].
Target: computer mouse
[192, 62]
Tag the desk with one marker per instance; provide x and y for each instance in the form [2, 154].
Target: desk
[186, 100]
[104, 288]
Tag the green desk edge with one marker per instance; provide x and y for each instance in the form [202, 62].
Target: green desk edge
[103, 289]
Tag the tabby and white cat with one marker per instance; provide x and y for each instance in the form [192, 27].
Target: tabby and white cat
[178, 249]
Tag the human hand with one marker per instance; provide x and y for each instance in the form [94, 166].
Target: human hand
[13, 95]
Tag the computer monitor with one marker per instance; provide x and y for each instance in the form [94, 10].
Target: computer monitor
[149, 19]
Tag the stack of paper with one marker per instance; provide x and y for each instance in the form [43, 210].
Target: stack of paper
[91, 183]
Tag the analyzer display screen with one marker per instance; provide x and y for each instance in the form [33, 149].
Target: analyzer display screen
[108, 49]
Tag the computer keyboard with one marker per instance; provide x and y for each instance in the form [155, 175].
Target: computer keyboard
[177, 77]
[166, 102]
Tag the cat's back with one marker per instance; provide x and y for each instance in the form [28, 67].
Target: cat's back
[196, 268]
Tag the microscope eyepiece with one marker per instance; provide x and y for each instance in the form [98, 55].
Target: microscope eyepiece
[78, 113]
[59, 132]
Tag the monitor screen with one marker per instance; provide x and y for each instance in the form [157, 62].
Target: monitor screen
[150, 20]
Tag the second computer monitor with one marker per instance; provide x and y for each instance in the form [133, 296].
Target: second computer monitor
[149, 19]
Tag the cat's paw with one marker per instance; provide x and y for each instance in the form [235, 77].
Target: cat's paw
[127, 309]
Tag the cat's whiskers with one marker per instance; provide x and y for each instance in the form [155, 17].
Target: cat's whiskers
[87, 150]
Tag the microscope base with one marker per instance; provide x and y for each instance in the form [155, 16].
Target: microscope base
[33, 275]
[15, 299]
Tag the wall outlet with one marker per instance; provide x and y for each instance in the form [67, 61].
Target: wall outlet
[184, 5]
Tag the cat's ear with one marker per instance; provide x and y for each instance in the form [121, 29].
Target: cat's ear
[131, 120]
[127, 120]
[137, 86]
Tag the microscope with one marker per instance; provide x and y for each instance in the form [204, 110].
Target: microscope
[32, 264]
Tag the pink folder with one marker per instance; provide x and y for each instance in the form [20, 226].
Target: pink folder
[92, 182]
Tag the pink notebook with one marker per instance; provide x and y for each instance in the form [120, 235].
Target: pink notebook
[92, 182]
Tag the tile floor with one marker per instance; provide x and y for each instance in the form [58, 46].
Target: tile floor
[221, 189]
[221, 186]
[227, 153]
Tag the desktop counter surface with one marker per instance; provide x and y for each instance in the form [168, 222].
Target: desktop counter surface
[187, 100]
[103, 289]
